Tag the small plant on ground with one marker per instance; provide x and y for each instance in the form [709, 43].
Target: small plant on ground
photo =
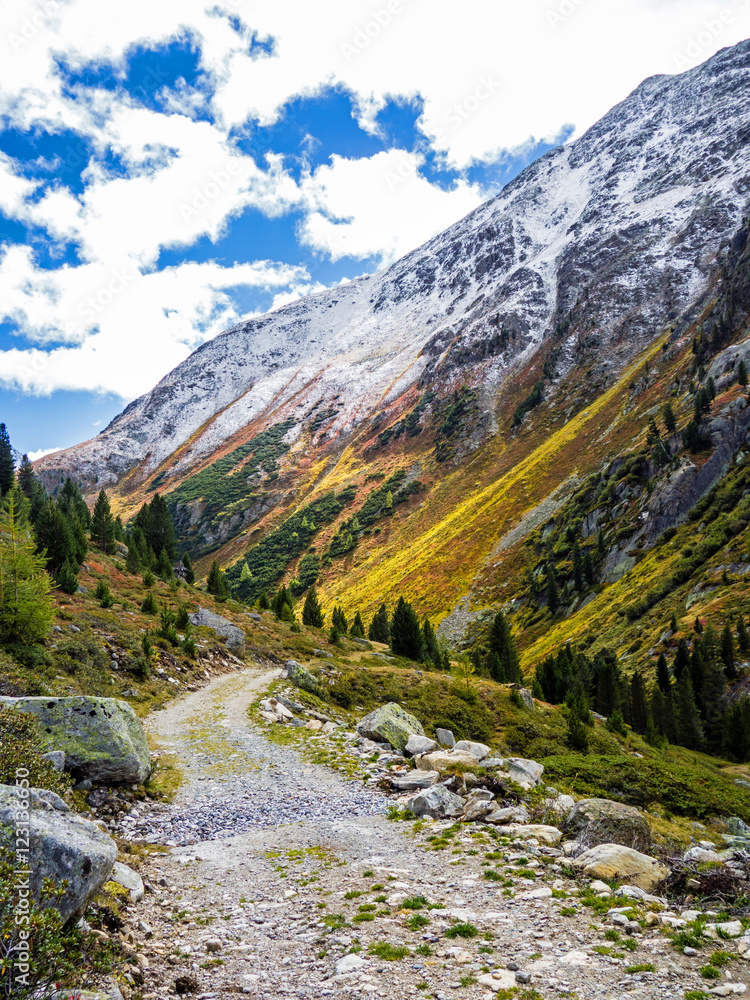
[388, 952]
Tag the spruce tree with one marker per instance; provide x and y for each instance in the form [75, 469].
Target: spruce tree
[688, 729]
[638, 706]
[711, 700]
[673, 626]
[218, 585]
[552, 596]
[102, 524]
[663, 677]
[681, 659]
[430, 645]
[504, 664]
[742, 373]
[338, 618]
[743, 640]
[357, 631]
[312, 613]
[727, 653]
[189, 571]
[405, 631]
[669, 418]
[26, 610]
[164, 568]
[380, 630]
[7, 465]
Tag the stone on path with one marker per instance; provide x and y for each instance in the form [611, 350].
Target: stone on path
[608, 861]
[124, 876]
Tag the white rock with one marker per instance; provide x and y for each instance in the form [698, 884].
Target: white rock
[543, 893]
[598, 886]
[701, 854]
[732, 929]
[349, 963]
[525, 772]
[128, 879]
[728, 989]
[498, 980]
[478, 750]
[419, 744]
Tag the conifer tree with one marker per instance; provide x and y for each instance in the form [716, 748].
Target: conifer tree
[669, 418]
[504, 664]
[338, 618]
[712, 695]
[673, 626]
[697, 626]
[638, 706]
[32, 488]
[26, 611]
[218, 585]
[7, 465]
[102, 524]
[380, 630]
[742, 373]
[577, 568]
[552, 596]
[688, 729]
[601, 546]
[430, 646]
[743, 640]
[54, 538]
[663, 677]
[681, 659]
[164, 568]
[357, 630]
[263, 603]
[727, 652]
[406, 639]
[588, 568]
[312, 613]
[132, 562]
[189, 571]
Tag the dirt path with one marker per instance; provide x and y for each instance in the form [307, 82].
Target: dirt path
[286, 868]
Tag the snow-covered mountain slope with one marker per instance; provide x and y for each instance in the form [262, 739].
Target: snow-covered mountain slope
[606, 240]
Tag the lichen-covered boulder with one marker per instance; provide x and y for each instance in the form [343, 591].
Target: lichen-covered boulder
[102, 738]
[601, 821]
[390, 724]
[301, 677]
[235, 637]
[62, 847]
[608, 861]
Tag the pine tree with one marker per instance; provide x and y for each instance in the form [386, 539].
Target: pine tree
[26, 611]
[742, 373]
[119, 529]
[688, 729]
[148, 607]
[577, 736]
[217, 583]
[164, 567]
[32, 488]
[155, 522]
[577, 568]
[663, 677]
[430, 645]
[357, 631]
[102, 524]
[504, 664]
[727, 653]
[681, 659]
[638, 707]
[652, 736]
[312, 613]
[405, 632]
[263, 603]
[588, 568]
[737, 731]
[189, 571]
[698, 627]
[552, 596]
[673, 626]
[380, 630]
[245, 575]
[7, 466]
[743, 640]
[601, 546]
[132, 562]
[66, 578]
[711, 700]
[669, 418]
[338, 618]
[54, 538]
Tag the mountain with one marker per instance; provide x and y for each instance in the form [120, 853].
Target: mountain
[484, 379]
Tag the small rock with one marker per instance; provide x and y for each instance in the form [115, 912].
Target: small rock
[501, 979]
[213, 945]
[56, 758]
[445, 738]
[349, 963]
[478, 750]
[419, 744]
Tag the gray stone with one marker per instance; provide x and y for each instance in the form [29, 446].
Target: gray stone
[478, 750]
[301, 677]
[57, 759]
[234, 636]
[414, 780]
[512, 814]
[322, 654]
[390, 724]
[526, 696]
[613, 861]
[701, 854]
[600, 821]
[737, 828]
[445, 738]
[63, 847]
[128, 879]
[527, 773]
[742, 783]
[496, 763]
[102, 738]
[419, 744]
[437, 802]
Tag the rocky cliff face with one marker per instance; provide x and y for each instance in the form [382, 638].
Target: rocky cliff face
[598, 247]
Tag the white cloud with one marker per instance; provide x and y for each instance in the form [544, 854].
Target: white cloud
[489, 76]
[34, 455]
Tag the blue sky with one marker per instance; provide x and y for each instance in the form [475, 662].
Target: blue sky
[170, 169]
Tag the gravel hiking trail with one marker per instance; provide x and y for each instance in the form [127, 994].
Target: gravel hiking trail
[282, 878]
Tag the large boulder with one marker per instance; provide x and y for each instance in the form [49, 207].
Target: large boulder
[301, 677]
[600, 821]
[528, 773]
[613, 861]
[235, 637]
[437, 802]
[443, 760]
[62, 847]
[478, 750]
[390, 724]
[102, 738]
